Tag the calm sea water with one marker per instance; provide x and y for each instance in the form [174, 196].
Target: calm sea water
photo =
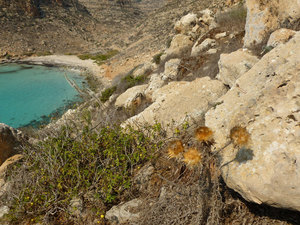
[31, 95]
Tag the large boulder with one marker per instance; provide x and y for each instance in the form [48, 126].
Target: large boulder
[234, 65]
[9, 142]
[181, 100]
[186, 23]
[3, 210]
[180, 45]
[199, 48]
[263, 17]
[8, 162]
[266, 100]
[124, 212]
[207, 19]
[171, 69]
[6, 186]
[132, 97]
[156, 81]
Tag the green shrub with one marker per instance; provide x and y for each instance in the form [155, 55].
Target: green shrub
[156, 58]
[8, 56]
[238, 13]
[168, 43]
[96, 165]
[100, 58]
[85, 56]
[266, 49]
[107, 93]
[43, 53]
[131, 81]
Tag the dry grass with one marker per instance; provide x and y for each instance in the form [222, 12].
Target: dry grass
[178, 194]
[192, 157]
[175, 149]
[234, 19]
[204, 134]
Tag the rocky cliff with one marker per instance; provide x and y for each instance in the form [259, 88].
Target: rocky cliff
[256, 123]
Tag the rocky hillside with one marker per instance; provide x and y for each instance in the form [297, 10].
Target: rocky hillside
[45, 26]
[68, 26]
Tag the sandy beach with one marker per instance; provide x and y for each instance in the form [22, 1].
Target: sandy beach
[66, 60]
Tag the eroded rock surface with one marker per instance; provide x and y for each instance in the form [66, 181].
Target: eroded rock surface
[171, 69]
[124, 212]
[186, 23]
[266, 102]
[280, 36]
[181, 100]
[131, 97]
[144, 69]
[234, 65]
[180, 45]
[9, 142]
[263, 17]
[154, 84]
[198, 48]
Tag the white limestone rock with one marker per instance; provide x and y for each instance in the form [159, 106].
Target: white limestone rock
[266, 102]
[199, 48]
[132, 97]
[186, 23]
[280, 36]
[124, 212]
[234, 65]
[265, 17]
[181, 44]
[179, 101]
[171, 69]
[154, 84]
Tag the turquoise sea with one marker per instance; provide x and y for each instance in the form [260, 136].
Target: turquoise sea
[31, 95]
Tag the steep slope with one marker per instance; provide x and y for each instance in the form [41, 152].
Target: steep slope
[73, 26]
[67, 26]
[45, 26]
[152, 34]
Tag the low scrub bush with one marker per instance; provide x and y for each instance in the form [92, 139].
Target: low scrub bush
[45, 53]
[95, 166]
[107, 93]
[100, 58]
[156, 58]
[131, 81]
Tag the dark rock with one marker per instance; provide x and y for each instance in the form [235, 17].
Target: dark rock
[10, 141]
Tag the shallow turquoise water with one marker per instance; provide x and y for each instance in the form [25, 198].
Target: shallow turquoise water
[30, 95]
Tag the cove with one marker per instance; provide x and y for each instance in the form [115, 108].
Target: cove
[30, 95]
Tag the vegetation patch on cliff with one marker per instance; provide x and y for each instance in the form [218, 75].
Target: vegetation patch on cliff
[94, 166]
[99, 58]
